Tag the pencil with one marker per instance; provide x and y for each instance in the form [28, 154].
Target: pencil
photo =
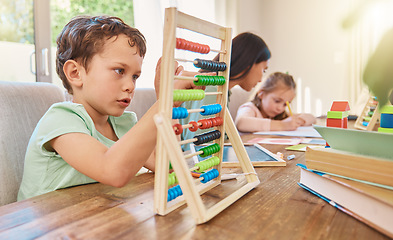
[289, 108]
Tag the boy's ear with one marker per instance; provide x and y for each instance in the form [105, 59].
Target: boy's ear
[72, 71]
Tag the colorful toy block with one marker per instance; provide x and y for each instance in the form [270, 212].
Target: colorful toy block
[335, 122]
[340, 106]
[386, 120]
[385, 130]
[337, 114]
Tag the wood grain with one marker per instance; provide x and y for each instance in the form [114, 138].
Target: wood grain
[276, 209]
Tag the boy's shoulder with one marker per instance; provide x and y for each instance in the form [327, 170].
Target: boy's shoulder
[67, 109]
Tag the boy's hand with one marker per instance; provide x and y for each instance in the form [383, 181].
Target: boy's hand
[157, 79]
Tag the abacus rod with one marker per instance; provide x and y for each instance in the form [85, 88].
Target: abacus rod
[185, 78]
[197, 180]
[186, 125]
[195, 110]
[192, 154]
[188, 141]
[213, 93]
[184, 60]
[218, 51]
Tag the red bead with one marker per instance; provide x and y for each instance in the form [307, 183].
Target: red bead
[186, 45]
[194, 126]
[192, 47]
[198, 48]
[203, 124]
[210, 122]
[178, 128]
[178, 43]
[220, 121]
[207, 49]
[214, 122]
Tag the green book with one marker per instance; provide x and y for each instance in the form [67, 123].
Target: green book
[373, 144]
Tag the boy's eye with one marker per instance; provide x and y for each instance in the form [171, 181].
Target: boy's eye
[135, 77]
[119, 71]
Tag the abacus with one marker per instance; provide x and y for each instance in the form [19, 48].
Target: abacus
[167, 195]
[369, 116]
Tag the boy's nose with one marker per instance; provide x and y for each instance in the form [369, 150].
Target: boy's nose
[130, 86]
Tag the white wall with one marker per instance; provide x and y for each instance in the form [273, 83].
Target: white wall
[307, 40]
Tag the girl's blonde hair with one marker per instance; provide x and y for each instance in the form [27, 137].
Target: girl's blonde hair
[270, 85]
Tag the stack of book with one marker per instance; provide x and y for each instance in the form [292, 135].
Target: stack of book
[355, 181]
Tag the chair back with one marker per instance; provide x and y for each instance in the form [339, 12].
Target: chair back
[22, 105]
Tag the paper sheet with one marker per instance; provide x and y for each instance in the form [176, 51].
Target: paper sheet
[279, 141]
[299, 132]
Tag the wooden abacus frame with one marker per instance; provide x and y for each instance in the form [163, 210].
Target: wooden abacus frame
[167, 142]
[374, 118]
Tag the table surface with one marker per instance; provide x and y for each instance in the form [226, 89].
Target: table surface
[276, 209]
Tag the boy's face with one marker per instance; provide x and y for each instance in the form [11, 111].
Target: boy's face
[109, 82]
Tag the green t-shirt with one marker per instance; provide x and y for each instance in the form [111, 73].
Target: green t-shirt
[46, 171]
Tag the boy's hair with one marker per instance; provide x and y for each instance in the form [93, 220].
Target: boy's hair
[270, 84]
[85, 36]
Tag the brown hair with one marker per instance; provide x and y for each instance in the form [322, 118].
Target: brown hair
[85, 36]
[271, 84]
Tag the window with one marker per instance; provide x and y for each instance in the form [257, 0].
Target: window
[17, 41]
[63, 10]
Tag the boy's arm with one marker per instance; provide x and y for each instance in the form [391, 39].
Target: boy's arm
[116, 165]
[151, 162]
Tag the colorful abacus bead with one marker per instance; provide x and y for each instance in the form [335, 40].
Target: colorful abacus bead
[211, 109]
[204, 80]
[209, 150]
[206, 164]
[192, 46]
[217, 121]
[179, 113]
[210, 175]
[205, 123]
[188, 95]
[207, 137]
[194, 126]
[178, 128]
[174, 192]
[172, 179]
[210, 65]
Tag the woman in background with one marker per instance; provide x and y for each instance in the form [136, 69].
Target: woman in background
[249, 61]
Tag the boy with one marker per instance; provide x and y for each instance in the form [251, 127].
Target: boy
[92, 139]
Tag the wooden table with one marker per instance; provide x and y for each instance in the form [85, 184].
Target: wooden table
[277, 209]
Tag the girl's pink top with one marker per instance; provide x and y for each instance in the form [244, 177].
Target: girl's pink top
[250, 119]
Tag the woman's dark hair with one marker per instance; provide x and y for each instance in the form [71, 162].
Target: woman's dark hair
[247, 49]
